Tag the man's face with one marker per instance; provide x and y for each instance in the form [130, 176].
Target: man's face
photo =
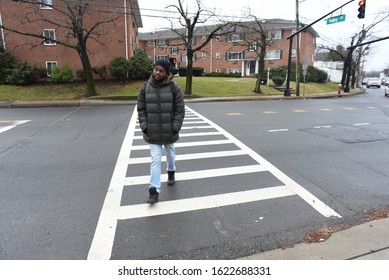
[159, 73]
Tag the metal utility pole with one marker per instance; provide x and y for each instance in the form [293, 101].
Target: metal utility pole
[297, 51]
[290, 38]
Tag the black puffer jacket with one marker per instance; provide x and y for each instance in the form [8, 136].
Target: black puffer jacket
[160, 112]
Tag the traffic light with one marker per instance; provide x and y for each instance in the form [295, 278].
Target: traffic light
[362, 8]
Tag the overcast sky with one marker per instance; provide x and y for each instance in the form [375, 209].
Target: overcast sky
[155, 14]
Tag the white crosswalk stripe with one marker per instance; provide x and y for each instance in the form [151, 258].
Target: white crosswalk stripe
[113, 211]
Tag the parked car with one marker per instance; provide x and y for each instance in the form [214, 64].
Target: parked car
[364, 81]
[373, 82]
[385, 81]
[387, 91]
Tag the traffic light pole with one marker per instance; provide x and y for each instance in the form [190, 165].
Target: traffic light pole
[349, 59]
[290, 38]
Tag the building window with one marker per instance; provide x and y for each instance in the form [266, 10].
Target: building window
[293, 53]
[162, 43]
[235, 37]
[274, 34]
[253, 46]
[217, 70]
[218, 55]
[161, 57]
[184, 58]
[46, 4]
[203, 55]
[50, 65]
[203, 39]
[174, 50]
[232, 71]
[273, 54]
[218, 38]
[235, 55]
[49, 33]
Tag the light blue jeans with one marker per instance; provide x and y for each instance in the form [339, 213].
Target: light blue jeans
[155, 166]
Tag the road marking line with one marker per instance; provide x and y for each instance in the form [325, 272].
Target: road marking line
[103, 239]
[300, 111]
[360, 124]
[189, 134]
[269, 112]
[191, 156]
[323, 126]
[199, 174]
[15, 124]
[349, 108]
[188, 144]
[200, 203]
[325, 109]
[316, 203]
[278, 130]
[234, 114]
[104, 236]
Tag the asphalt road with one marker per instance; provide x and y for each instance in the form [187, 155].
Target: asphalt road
[251, 176]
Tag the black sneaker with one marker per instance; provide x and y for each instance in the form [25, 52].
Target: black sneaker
[153, 198]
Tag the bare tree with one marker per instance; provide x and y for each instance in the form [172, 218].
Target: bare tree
[364, 35]
[76, 20]
[256, 40]
[190, 21]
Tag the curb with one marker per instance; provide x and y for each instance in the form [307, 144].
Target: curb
[99, 102]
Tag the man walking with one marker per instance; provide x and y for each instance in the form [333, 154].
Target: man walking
[161, 112]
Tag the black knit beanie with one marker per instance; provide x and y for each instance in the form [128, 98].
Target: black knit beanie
[165, 64]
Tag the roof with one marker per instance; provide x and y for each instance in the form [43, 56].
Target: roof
[136, 12]
[267, 24]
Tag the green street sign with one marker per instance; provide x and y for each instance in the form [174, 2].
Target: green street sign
[336, 19]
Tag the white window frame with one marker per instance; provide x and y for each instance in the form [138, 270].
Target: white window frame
[273, 54]
[237, 37]
[162, 57]
[48, 33]
[234, 70]
[204, 55]
[218, 55]
[184, 58]
[253, 46]
[44, 4]
[49, 67]
[274, 34]
[174, 50]
[161, 43]
[234, 55]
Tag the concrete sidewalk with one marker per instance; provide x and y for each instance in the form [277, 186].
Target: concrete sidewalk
[368, 241]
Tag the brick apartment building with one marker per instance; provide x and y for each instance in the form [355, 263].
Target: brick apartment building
[233, 52]
[118, 38]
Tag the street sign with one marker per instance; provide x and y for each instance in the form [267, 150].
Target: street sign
[336, 19]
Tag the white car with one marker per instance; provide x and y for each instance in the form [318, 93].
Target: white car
[373, 82]
[387, 91]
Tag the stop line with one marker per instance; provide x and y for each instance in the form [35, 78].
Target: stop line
[113, 211]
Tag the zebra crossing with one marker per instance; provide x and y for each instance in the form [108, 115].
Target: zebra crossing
[205, 152]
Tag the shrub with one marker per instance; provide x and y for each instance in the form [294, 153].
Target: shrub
[21, 74]
[140, 66]
[278, 81]
[119, 67]
[7, 62]
[64, 75]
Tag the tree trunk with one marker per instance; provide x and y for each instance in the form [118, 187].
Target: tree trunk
[261, 66]
[189, 74]
[90, 82]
